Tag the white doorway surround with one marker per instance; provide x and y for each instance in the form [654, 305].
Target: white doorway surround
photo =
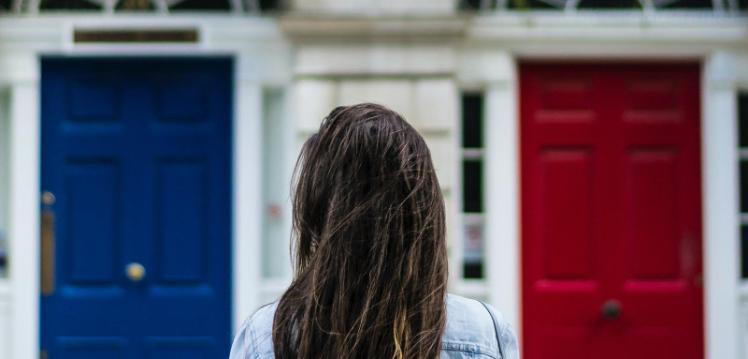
[260, 57]
[497, 42]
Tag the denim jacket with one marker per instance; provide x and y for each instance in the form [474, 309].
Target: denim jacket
[474, 330]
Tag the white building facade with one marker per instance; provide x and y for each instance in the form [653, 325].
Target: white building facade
[455, 71]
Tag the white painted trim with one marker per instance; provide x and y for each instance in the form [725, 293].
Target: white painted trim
[617, 35]
[23, 233]
[720, 209]
[247, 213]
[503, 273]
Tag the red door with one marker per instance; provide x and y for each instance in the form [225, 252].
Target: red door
[611, 211]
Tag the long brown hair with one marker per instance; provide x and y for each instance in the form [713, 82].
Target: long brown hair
[369, 241]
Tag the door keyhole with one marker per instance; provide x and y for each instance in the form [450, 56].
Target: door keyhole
[611, 309]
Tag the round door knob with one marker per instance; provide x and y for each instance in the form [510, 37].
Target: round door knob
[48, 198]
[135, 272]
[611, 309]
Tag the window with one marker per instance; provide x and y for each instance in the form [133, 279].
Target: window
[472, 185]
[4, 152]
[276, 182]
[68, 5]
[602, 4]
[149, 5]
[743, 173]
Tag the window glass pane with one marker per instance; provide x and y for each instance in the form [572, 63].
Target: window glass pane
[744, 250]
[610, 4]
[4, 148]
[269, 5]
[472, 121]
[473, 248]
[276, 184]
[688, 4]
[744, 186]
[220, 5]
[470, 4]
[472, 186]
[202, 5]
[530, 4]
[743, 118]
[68, 5]
[136, 5]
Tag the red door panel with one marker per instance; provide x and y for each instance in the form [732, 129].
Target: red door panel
[611, 212]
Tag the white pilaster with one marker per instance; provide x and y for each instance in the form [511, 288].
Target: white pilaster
[720, 210]
[23, 229]
[503, 272]
[247, 219]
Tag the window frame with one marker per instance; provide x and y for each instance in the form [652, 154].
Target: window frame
[473, 218]
[4, 182]
[741, 97]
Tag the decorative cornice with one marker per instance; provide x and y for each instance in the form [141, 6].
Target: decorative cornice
[306, 27]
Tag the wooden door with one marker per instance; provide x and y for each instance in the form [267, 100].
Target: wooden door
[611, 211]
[136, 169]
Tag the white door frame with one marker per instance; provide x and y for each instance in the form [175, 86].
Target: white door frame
[259, 54]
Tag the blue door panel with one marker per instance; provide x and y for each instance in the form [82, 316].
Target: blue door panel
[138, 154]
[183, 229]
[91, 191]
[91, 347]
[180, 347]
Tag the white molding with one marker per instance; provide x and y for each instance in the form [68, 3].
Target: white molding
[609, 35]
[247, 200]
[309, 27]
[353, 59]
[378, 7]
[23, 226]
[720, 210]
[503, 255]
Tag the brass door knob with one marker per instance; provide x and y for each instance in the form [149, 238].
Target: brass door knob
[611, 309]
[135, 272]
[48, 198]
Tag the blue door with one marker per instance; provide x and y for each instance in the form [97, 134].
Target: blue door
[136, 173]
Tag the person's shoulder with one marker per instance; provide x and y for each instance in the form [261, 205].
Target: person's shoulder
[262, 319]
[478, 327]
[255, 336]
